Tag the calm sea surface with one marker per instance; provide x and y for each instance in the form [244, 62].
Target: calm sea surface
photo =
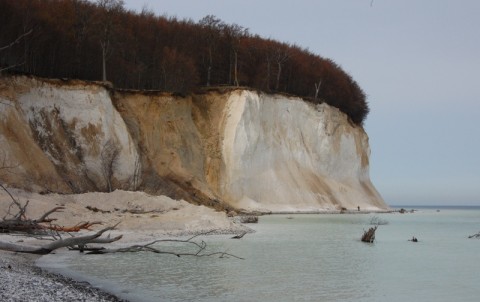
[306, 258]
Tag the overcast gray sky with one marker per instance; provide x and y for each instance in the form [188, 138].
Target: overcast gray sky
[418, 61]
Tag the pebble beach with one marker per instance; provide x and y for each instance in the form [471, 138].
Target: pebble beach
[21, 280]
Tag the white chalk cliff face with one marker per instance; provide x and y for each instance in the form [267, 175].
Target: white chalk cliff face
[53, 136]
[236, 149]
[283, 154]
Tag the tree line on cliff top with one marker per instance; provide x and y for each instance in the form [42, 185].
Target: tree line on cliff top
[103, 40]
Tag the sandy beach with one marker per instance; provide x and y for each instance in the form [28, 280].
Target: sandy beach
[141, 218]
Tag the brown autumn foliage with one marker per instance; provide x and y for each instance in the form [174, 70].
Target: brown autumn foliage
[73, 38]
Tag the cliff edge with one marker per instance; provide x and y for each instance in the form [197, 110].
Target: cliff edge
[233, 149]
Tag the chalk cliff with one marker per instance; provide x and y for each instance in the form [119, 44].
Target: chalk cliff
[231, 149]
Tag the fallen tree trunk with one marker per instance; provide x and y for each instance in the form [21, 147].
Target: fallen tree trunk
[20, 223]
[59, 243]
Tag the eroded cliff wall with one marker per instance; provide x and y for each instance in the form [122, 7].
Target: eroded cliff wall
[284, 154]
[54, 135]
[234, 149]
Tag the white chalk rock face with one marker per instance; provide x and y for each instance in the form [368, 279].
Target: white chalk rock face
[241, 148]
[282, 154]
[78, 130]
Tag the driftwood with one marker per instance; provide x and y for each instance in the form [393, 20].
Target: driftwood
[19, 222]
[76, 228]
[239, 236]
[80, 243]
[369, 236]
[131, 211]
[477, 235]
[59, 243]
[140, 211]
[95, 209]
[199, 247]
[414, 239]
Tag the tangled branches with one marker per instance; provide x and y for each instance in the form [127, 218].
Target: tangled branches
[19, 222]
[199, 248]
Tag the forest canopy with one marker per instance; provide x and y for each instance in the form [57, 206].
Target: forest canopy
[103, 40]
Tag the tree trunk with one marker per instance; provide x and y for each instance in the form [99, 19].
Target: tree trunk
[235, 69]
[277, 85]
[268, 73]
[48, 248]
[104, 63]
[317, 89]
[369, 236]
[209, 69]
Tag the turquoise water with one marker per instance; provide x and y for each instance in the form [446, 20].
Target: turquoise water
[307, 258]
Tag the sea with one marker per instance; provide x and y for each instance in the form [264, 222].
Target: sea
[304, 257]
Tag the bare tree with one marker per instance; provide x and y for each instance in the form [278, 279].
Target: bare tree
[281, 55]
[234, 33]
[179, 72]
[269, 71]
[212, 25]
[109, 161]
[10, 45]
[17, 40]
[317, 89]
[107, 23]
[81, 32]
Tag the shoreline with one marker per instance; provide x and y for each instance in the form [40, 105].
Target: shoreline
[431, 241]
[22, 280]
[143, 218]
[328, 212]
[25, 279]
